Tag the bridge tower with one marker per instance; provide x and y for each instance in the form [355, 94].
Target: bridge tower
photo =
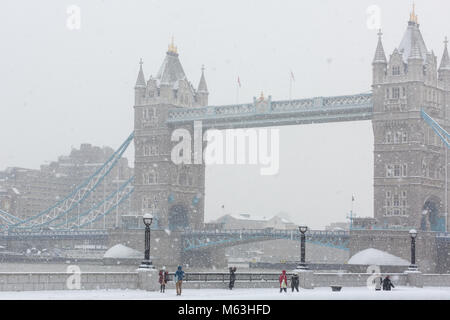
[173, 193]
[409, 159]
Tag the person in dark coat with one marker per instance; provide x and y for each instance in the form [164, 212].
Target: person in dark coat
[387, 284]
[232, 277]
[178, 277]
[294, 281]
[163, 279]
[283, 281]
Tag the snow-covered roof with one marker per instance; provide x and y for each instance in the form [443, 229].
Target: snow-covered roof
[373, 256]
[246, 216]
[412, 38]
[119, 251]
[171, 70]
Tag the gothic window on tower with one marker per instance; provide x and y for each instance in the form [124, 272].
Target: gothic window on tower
[388, 137]
[150, 177]
[404, 170]
[397, 170]
[396, 70]
[396, 201]
[395, 93]
[404, 137]
[403, 92]
[387, 93]
[149, 115]
[150, 149]
[389, 170]
[148, 203]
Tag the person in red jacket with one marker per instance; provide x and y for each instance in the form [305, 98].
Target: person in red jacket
[163, 279]
[283, 281]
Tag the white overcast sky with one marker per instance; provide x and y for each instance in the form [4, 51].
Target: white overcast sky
[61, 87]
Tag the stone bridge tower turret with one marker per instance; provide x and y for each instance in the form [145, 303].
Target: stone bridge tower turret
[409, 158]
[173, 193]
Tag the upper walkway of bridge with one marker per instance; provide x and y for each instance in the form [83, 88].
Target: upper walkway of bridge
[265, 112]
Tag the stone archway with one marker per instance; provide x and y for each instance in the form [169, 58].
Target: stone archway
[178, 217]
[432, 217]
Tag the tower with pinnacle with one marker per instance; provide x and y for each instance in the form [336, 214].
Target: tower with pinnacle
[409, 159]
[173, 193]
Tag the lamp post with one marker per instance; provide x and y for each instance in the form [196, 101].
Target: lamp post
[413, 234]
[147, 263]
[302, 264]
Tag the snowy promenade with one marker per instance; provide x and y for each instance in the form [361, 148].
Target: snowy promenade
[360, 293]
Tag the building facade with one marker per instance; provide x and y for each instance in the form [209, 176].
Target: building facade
[26, 192]
[409, 159]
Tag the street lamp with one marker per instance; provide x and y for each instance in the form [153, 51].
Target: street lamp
[302, 264]
[413, 234]
[147, 263]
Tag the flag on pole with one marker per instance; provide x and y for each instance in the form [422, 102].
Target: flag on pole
[353, 197]
[239, 82]
[292, 76]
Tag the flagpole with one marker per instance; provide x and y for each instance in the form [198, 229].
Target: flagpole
[290, 87]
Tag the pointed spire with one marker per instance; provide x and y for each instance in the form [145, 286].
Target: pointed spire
[445, 62]
[202, 84]
[380, 56]
[140, 82]
[413, 17]
[172, 47]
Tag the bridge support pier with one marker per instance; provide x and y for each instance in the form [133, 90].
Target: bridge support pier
[415, 278]
[306, 278]
[148, 279]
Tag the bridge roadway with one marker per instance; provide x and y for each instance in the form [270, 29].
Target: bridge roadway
[55, 235]
[194, 240]
[199, 239]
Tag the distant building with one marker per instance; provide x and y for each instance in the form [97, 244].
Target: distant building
[365, 223]
[246, 221]
[26, 192]
[338, 226]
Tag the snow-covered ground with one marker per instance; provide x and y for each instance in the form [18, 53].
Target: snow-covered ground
[360, 293]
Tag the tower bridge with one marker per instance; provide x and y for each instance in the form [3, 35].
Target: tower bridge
[410, 160]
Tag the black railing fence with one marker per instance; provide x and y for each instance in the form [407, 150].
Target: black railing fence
[225, 276]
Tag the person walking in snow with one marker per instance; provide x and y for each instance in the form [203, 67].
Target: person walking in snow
[387, 284]
[294, 281]
[283, 281]
[378, 282]
[232, 277]
[178, 277]
[163, 279]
